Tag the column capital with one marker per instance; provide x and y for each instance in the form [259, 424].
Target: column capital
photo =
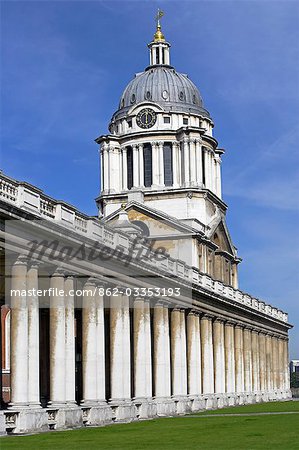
[21, 260]
[34, 264]
[230, 323]
[207, 316]
[240, 325]
[58, 272]
[219, 320]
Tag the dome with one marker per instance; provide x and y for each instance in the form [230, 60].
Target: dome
[162, 85]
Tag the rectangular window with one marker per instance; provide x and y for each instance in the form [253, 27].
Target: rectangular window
[147, 164]
[168, 171]
[130, 123]
[157, 56]
[130, 167]
[185, 121]
[166, 119]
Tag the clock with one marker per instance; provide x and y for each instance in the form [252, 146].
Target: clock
[146, 118]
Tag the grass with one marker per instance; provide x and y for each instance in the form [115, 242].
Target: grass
[239, 433]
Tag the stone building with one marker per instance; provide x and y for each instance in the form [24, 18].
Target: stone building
[136, 313]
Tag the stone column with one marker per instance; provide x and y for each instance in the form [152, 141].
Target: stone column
[207, 354]
[218, 176]
[262, 361]
[229, 342]
[176, 369]
[33, 337]
[155, 163]
[274, 361]
[148, 349]
[269, 366]
[186, 163]
[286, 364]
[255, 361]
[139, 349]
[183, 353]
[125, 168]
[161, 164]
[69, 341]
[281, 363]
[57, 339]
[198, 150]
[219, 355]
[193, 354]
[126, 348]
[161, 351]
[120, 354]
[105, 169]
[159, 356]
[175, 164]
[135, 166]
[167, 350]
[207, 160]
[141, 165]
[89, 336]
[247, 359]
[239, 359]
[19, 334]
[192, 162]
[100, 345]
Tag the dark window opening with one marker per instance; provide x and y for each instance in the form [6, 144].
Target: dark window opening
[130, 167]
[166, 119]
[157, 56]
[163, 56]
[185, 121]
[168, 171]
[130, 123]
[147, 164]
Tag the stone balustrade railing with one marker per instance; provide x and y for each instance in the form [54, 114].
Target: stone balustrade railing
[31, 199]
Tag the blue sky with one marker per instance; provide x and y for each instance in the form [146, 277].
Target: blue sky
[65, 64]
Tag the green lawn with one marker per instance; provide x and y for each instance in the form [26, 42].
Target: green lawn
[241, 433]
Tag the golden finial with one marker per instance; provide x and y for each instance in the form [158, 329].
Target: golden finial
[159, 36]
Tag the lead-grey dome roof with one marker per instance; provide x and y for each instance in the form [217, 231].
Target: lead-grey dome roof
[165, 86]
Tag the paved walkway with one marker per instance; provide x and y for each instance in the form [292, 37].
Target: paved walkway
[243, 415]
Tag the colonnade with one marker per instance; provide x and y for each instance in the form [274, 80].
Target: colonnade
[193, 165]
[155, 349]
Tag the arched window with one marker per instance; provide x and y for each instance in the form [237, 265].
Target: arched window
[130, 167]
[168, 171]
[147, 163]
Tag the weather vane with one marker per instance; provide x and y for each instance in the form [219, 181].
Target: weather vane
[158, 17]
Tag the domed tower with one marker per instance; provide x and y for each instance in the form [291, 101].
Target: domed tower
[160, 150]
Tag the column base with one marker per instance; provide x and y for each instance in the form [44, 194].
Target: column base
[165, 406]
[182, 404]
[145, 408]
[123, 410]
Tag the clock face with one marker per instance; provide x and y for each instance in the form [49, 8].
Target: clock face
[146, 118]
